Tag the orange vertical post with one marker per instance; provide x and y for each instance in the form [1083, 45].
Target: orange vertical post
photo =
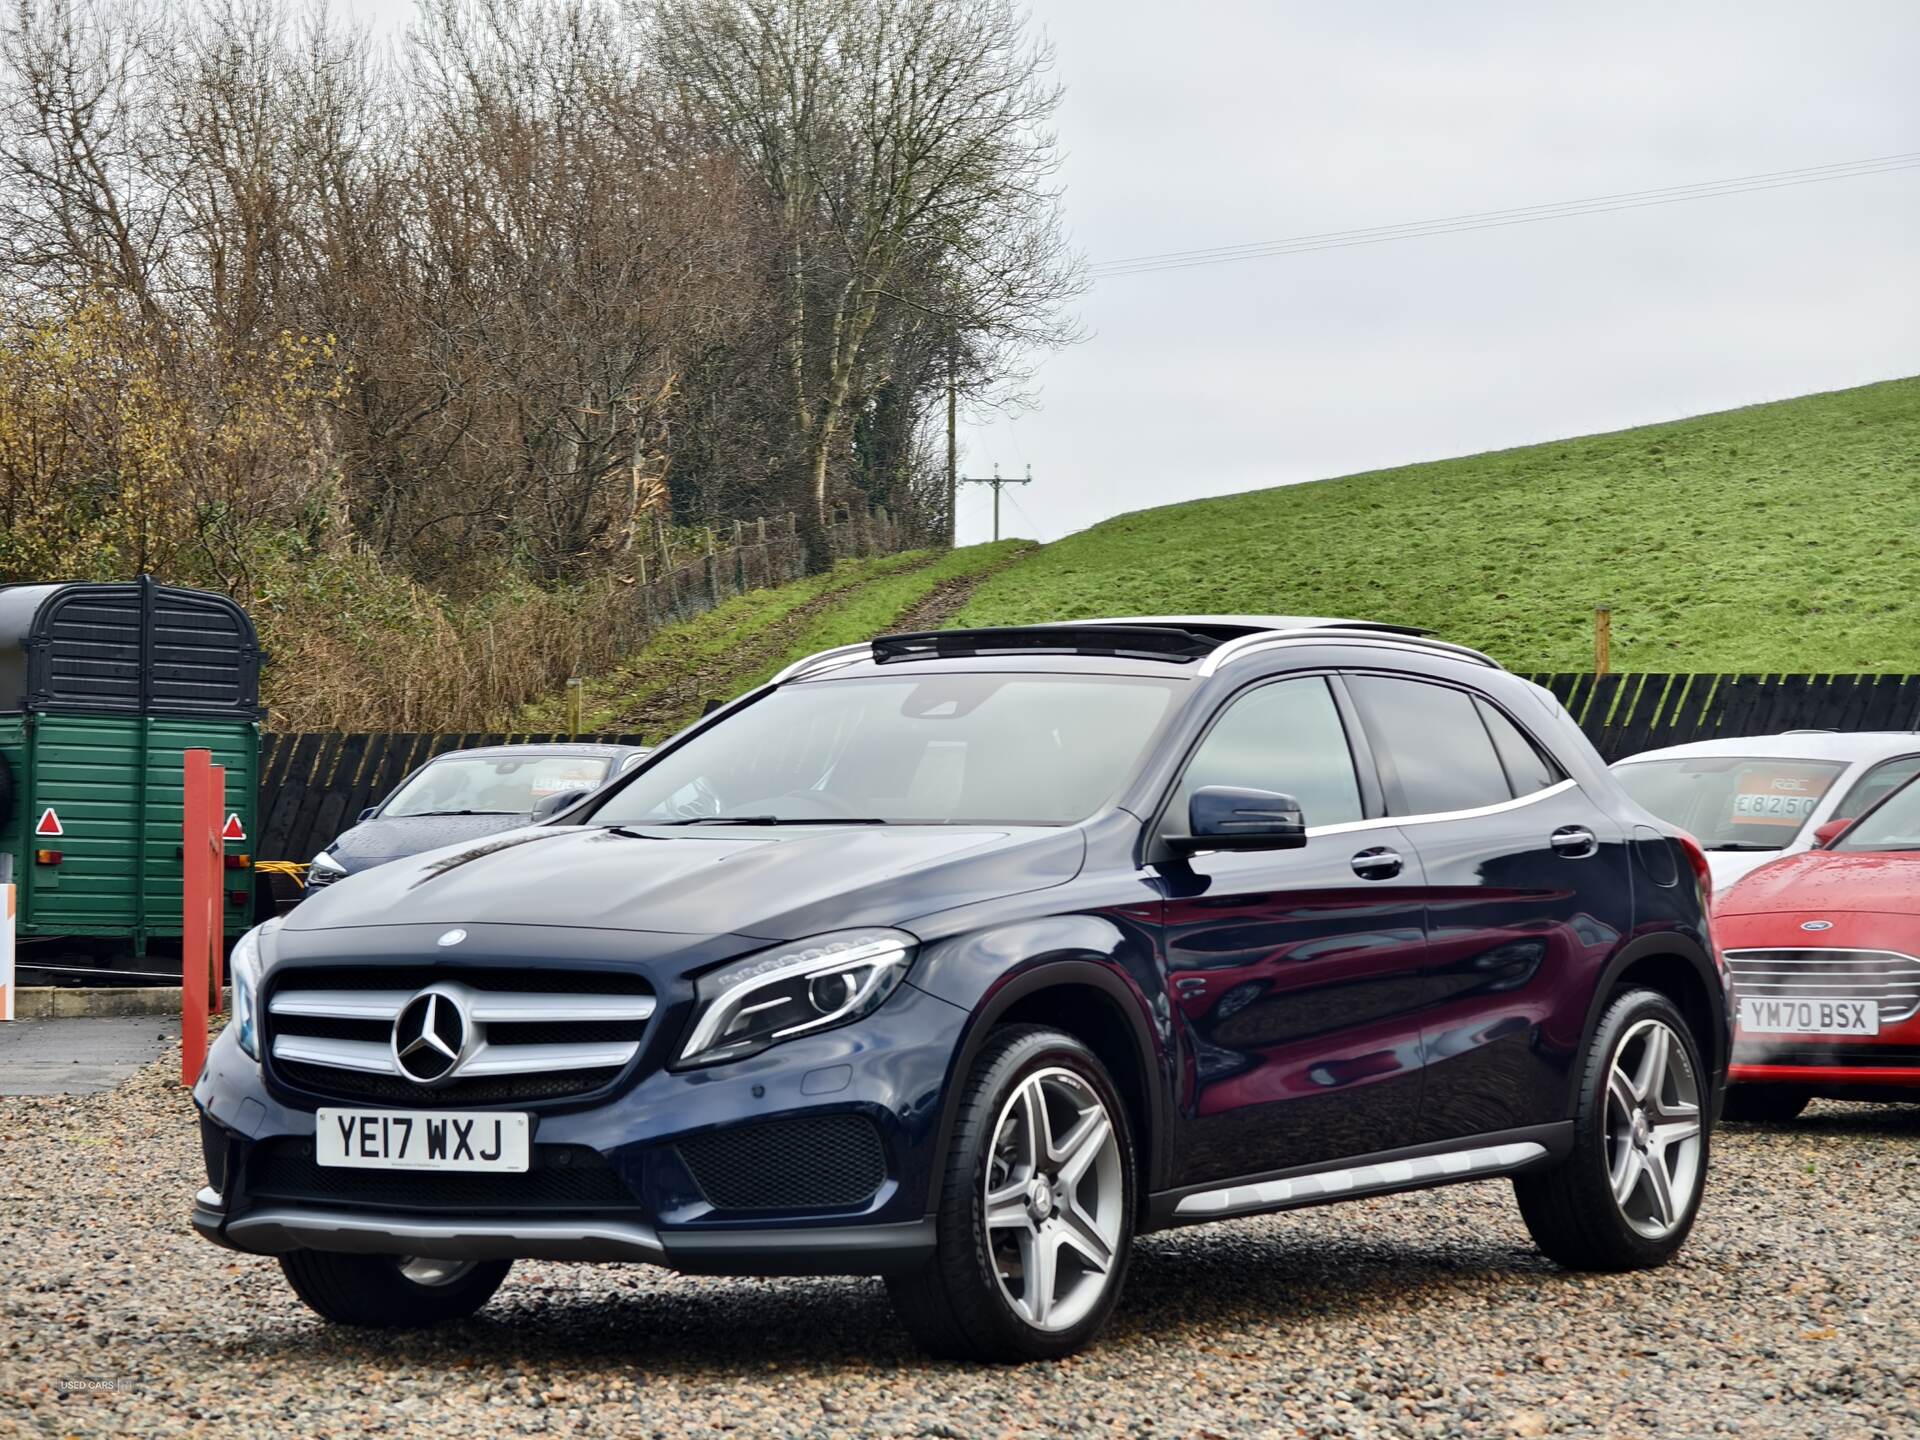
[201, 931]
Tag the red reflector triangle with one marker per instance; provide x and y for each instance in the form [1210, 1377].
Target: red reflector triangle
[49, 824]
[233, 830]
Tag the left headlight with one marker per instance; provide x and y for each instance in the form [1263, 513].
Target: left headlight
[794, 990]
[244, 968]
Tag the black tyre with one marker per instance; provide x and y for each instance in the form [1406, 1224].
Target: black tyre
[391, 1292]
[1036, 1212]
[1765, 1103]
[1626, 1198]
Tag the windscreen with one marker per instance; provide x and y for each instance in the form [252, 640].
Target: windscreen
[908, 749]
[1895, 825]
[1732, 802]
[493, 784]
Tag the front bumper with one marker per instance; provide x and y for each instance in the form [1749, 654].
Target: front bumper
[648, 1203]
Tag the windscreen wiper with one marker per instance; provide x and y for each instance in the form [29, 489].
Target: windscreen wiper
[430, 814]
[771, 820]
[1742, 845]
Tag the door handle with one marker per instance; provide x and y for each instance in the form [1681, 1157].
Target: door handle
[1379, 863]
[1576, 842]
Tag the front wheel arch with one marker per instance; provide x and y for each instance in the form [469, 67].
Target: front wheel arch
[1049, 988]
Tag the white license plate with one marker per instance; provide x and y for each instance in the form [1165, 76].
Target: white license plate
[421, 1140]
[1809, 1017]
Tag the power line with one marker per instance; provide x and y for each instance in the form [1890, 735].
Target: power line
[1496, 219]
[998, 482]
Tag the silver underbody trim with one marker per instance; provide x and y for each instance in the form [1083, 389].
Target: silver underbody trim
[271, 1232]
[1359, 1179]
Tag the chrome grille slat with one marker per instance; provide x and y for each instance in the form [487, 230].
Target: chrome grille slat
[341, 1004]
[529, 1031]
[365, 1057]
[1890, 977]
[533, 1059]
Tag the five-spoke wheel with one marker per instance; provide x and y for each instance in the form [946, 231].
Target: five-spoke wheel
[1653, 1127]
[1035, 1215]
[1054, 1194]
[1626, 1195]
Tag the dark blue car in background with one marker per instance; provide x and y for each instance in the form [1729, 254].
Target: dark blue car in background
[466, 794]
[962, 958]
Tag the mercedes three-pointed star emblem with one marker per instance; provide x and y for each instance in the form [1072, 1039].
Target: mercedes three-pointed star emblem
[430, 1036]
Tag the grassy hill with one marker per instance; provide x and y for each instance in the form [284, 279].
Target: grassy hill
[1782, 537]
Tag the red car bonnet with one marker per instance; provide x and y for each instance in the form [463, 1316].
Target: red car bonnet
[1829, 882]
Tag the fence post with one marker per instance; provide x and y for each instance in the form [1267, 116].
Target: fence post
[203, 799]
[6, 935]
[573, 709]
[1602, 639]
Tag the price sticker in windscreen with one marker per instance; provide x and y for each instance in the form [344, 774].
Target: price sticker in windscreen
[1778, 796]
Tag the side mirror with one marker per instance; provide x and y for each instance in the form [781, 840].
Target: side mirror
[1831, 831]
[367, 814]
[548, 805]
[1226, 817]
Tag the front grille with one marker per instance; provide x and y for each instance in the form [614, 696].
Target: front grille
[558, 1177]
[812, 1163]
[522, 1035]
[1886, 976]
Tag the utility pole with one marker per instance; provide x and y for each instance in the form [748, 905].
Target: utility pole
[953, 456]
[996, 481]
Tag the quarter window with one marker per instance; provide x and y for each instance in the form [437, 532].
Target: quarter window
[1286, 737]
[1431, 737]
[1527, 769]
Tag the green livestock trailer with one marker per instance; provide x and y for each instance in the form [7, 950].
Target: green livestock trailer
[103, 687]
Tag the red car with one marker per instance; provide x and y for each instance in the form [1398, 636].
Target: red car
[1824, 950]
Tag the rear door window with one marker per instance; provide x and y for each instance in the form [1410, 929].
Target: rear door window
[1431, 740]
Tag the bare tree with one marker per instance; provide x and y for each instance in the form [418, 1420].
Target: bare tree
[905, 148]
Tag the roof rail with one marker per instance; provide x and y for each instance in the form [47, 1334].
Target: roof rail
[1213, 640]
[1344, 635]
[819, 659]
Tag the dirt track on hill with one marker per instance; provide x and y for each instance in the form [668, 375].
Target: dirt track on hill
[666, 710]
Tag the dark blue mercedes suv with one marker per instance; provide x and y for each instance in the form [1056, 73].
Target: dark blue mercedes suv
[962, 958]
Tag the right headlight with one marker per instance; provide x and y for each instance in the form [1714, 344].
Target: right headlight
[243, 971]
[323, 870]
[792, 990]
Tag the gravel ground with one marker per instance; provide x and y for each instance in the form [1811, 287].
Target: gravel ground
[1792, 1312]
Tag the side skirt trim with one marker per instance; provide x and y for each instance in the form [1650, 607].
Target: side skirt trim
[1491, 1155]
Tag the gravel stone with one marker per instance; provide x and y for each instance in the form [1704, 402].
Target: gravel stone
[1790, 1313]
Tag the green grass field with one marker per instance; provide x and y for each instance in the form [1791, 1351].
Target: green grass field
[1782, 537]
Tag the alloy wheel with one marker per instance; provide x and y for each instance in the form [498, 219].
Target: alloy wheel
[1653, 1129]
[1054, 1194]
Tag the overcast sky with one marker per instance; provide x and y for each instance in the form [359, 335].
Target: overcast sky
[1217, 122]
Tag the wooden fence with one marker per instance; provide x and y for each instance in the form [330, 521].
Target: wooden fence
[1625, 714]
[313, 785]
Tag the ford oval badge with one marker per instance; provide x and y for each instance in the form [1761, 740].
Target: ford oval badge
[1804, 925]
[452, 937]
